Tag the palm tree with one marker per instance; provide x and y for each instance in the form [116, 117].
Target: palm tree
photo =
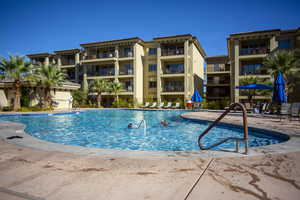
[115, 87]
[281, 61]
[99, 86]
[49, 76]
[18, 70]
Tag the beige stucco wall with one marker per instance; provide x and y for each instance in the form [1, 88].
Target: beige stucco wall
[197, 67]
[3, 99]
[61, 97]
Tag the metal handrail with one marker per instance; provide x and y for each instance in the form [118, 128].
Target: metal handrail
[238, 140]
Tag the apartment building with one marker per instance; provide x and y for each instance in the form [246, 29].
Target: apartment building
[165, 68]
[217, 78]
[246, 52]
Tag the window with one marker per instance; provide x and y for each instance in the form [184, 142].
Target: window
[152, 68]
[152, 84]
[152, 51]
[284, 44]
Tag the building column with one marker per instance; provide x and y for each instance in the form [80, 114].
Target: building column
[186, 70]
[158, 73]
[77, 65]
[46, 62]
[236, 70]
[59, 61]
[273, 43]
[117, 67]
[85, 85]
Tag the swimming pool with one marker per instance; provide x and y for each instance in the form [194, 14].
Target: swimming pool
[107, 128]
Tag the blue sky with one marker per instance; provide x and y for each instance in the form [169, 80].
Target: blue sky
[34, 26]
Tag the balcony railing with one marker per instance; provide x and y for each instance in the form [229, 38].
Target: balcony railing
[218, 69]
[67, 62]
[126, 54]
[126, 72]
[100, 55]
[172, 52]
[253, 69]
[254, 51]
[173, 89]
[102, 72]
[216, 82]
[128, 88]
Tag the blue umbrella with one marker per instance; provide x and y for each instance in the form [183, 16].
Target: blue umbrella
[255, 86]
[279, 94]
[196, 97]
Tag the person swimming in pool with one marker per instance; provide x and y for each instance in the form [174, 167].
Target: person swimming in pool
[164, 123]
[130, 125]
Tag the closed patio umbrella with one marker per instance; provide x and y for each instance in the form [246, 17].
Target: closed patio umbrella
[279, 94]
[196, 97]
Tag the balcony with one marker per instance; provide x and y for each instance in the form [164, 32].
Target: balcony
[173, 86]
[67, 62]
[100, 71]
[127, 85]
[126, 52]
[172, 49]
[70, 72]
[173, 69]
[218, 68]
[254, 51]
[218, 80]
[172, 52]
[252, 69]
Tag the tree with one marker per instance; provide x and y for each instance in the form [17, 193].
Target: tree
[79, 98]
[18, 70]
[99, 86]
[281, 61]
[115, 88]
[49, 76]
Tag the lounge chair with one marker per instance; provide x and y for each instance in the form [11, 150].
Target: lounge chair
[177, 105]
[295, 111]
[161, 105]
[169, 105]
[147, 104]
[153, 105]
[285, 109]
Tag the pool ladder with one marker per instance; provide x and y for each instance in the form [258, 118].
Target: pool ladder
[145, 126]
[237, 140]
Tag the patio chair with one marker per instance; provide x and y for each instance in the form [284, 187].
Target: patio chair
[160, 105]
[147, 104]
[153, 105]
[169, 105]
[295, 111]
[177, 105]
[285, 110]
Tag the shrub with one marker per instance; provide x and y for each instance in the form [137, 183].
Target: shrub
[34, 109]
[79, 98]
[7, 108]
[25, 97]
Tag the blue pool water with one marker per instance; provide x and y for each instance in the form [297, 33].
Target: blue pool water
[108, 129]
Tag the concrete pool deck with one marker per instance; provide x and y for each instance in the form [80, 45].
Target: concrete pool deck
[33, 173]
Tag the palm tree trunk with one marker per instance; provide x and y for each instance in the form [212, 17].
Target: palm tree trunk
[99, 99]
[117, 100]
[17, 100]
[47, 97]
